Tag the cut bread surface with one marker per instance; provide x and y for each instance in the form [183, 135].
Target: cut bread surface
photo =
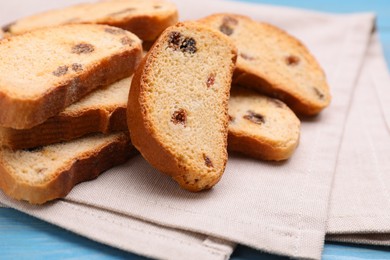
[177, 110]
[275, 63]
[50, 172]
[260, 126]
[147, 19]
[43, 72]
[103, 110]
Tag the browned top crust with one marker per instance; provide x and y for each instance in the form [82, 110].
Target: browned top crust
[43, 72]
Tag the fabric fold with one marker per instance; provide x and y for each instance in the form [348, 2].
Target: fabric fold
[360, 201]
[127, 233]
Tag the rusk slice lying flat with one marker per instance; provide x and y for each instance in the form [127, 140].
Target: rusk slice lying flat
[43, 72]
[145, 18]
[275, 63]
[50, 172]
[178, 104]
[261, 127]
[103, 110]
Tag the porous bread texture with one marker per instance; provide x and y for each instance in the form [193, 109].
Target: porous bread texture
[50, 172]
[103, 110]
[43, 72]
[177, 109]
[147, 19]
[274, 63]
[261, 127]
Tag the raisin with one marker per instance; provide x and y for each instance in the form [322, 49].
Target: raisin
[176, 41]
[179, 117]
[228, 24]
[292, 60]
[126, 41]
[188, 45]
[207, 161]
[60, 71]
[318, 93]
[127, 10]
[210, 80]
[7, 28]
[77, 67]
[83, 48]
[246, 57]
[114, 31]
[254, 117]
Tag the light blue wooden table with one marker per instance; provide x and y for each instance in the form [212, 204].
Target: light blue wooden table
[24, 237]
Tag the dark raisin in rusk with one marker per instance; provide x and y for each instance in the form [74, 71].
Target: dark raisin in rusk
[188, 45]
[83, 48]
[177, 41]
[77, 67]
[174, 40]
[254, 117]
[179, 117]
[292, 60]
[60, 71]
[210, 80]
[228, 24]
[207, 161]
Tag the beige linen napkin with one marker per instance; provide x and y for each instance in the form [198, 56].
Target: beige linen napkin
[360, 201]
[276, 207]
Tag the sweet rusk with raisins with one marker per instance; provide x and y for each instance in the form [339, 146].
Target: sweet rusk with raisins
[178, 104]
[274, 63]
[260, 126]
[45, 71]
[146, 19]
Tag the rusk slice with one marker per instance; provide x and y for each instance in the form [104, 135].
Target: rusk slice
[50, 172]
[145, 18]
[43, 72]
[275, 63]
[261, 127]
[178, 104]
[103, 110]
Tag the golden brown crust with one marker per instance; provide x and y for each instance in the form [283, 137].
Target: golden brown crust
[65, 127]
[145, 137]
[147, 26]
[296, 103]
[22, 113]
[88, 167]
[258, 148]
[260, 126]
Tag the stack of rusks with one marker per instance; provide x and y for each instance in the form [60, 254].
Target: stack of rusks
[83, 88]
